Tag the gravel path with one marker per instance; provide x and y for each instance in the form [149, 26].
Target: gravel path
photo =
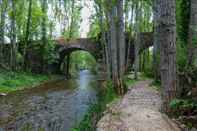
[138, 110]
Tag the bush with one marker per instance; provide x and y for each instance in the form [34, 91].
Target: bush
[183, 106]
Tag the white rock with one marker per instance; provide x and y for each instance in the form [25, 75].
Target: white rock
[3, 94]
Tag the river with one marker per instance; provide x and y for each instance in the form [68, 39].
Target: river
[53, 106]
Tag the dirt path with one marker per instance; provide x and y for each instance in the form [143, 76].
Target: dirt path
[138, 110]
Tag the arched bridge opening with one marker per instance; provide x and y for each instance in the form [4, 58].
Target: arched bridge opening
[66, 48]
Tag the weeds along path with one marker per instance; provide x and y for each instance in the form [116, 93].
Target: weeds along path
[138, 110]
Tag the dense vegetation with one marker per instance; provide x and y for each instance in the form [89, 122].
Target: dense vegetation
[12, 81]
[28, 26]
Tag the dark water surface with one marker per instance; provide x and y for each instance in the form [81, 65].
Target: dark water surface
[54, 106]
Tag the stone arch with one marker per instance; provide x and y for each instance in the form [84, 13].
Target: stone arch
[64, 48]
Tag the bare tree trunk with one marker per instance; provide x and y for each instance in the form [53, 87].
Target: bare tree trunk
[2, 29]
[114, 49]
[121, 38]
[167, 39]
[109, 52]
[72, 18]
[136, 62]
[103, 40]
[156, 45]
[44, 31]
[130, 36]
[26, 42]
[13, 38]
[137, 41]
[108, 46]
[192, 40]
[144, 60]
[121, 45]
[68, 66]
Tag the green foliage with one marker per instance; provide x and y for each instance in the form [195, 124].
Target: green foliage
[82, 60]
[128, 82]
[156, 85]
[50, 55]
[181, 55]
[12, 81]
[73, 14]
[183, 15]
[182, 106]
[148, 63]
[94, 30]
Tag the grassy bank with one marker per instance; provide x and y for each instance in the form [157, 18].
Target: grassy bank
[12, 81]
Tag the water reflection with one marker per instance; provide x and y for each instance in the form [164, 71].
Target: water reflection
[55, 106]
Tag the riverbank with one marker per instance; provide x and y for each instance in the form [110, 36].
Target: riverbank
[106, 96]
[54, 105]
[13, 81]
[139, 109]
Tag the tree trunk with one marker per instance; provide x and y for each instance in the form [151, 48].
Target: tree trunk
[167, 39]
[114, 49]
[2, 29]
[68, 66]
[156, 45]
[44, 31]
[13, 38]
[192, 40]
[103, 39]
[130, 37]
[136, 62]
[121, 38]
[27, 34]
[72, 18]
[137, 41]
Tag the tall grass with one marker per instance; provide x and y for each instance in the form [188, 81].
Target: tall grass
[12, 81]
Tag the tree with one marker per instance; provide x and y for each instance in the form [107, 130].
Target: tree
[13, 50]
[44, 30]
[167, 39]
[113, 44]
[26, 42]
[137, 39]
[3, 7]
[192, 40]
[121, 38]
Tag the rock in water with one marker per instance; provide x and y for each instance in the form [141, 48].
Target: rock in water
[3, 94]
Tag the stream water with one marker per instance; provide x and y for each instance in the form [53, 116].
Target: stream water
[53, 106]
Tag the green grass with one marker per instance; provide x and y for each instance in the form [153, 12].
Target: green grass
[156, 85]
[12, 81]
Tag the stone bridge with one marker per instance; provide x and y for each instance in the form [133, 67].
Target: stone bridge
[64, 47]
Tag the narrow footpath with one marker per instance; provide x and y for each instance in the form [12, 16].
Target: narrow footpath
[138, 110]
